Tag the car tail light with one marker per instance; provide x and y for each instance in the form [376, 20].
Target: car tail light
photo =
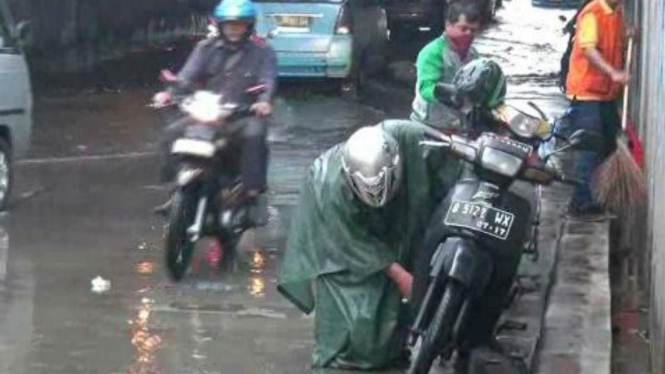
[343, 26]
[258, 39]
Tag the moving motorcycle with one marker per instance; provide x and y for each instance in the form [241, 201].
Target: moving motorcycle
[207, 200]
[482, 220]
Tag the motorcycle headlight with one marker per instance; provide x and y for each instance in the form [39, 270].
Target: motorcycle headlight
[204, 107]
[522, 124]
[501, 162]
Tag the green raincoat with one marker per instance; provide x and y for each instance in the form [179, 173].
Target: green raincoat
[338, 248]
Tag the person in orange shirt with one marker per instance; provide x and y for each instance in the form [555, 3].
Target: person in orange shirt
[594, 82]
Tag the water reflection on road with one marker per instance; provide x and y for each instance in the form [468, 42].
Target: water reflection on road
[145, 343]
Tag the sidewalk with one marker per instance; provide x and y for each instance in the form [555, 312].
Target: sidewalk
[577, 334]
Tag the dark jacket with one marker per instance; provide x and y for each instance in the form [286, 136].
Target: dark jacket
[230, 71]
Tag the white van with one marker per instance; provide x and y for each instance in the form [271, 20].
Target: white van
[15, 101]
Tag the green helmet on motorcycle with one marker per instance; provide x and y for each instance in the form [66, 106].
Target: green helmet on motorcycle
[372, 165]
[482, 83]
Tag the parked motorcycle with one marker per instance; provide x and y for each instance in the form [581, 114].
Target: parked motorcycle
[207, 200]
[483, 220]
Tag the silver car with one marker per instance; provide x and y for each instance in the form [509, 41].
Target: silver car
[15, 100]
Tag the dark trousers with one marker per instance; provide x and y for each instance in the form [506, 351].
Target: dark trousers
[249, 133]
[600, 119]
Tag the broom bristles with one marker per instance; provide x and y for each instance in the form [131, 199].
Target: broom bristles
[619, 183]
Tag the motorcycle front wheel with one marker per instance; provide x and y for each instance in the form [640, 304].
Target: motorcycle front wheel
[179, 247]
[438, 333]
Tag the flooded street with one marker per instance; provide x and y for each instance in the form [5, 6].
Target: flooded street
[82, 210]
[86, 212]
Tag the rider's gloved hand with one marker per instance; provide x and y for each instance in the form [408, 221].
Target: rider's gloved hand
[447, 94]
[262, 109]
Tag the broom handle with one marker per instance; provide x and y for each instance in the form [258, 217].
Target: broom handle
[626, 89]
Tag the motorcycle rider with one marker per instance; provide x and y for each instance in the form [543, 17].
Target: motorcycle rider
[230, 63]
[363, 208]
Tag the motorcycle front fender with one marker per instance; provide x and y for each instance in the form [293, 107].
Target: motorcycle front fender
[463, 260]
[187, 176]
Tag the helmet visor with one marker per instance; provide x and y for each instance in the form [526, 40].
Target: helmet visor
[374, 191]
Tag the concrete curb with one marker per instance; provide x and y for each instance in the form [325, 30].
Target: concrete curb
[577, 334]
[536, 280]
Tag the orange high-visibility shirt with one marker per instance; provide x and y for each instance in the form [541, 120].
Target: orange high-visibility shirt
[601, 27]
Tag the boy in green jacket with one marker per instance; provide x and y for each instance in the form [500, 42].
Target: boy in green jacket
[438, 62]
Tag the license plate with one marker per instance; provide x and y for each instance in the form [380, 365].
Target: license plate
[193, 147]
[301, 22]
[481, 218]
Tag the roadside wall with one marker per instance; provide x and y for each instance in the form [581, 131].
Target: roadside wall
[648, 111]
[70, 35]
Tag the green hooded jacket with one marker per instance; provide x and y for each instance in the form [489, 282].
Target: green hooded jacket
[437, 63]
[338, 248]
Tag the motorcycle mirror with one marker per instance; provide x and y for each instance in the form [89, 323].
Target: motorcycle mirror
[563, 18]
[535, 107]
[571, 142]
[587, 141]
[580, 140]
[576, 138]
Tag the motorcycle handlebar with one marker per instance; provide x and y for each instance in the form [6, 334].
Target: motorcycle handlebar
[240, 112]
[462, 148]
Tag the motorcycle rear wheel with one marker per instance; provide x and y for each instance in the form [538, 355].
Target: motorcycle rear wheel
[438, 333]
[179, 247]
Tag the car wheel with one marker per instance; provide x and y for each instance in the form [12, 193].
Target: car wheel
[351, 87]
[6, 174]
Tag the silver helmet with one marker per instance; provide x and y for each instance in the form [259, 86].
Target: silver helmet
[372, 165]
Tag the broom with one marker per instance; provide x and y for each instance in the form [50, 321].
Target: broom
[620, 184]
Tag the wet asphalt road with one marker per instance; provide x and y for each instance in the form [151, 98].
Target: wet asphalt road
[79, 216]
[82, 209]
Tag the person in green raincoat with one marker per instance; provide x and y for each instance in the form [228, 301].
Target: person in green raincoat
[363, 209]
